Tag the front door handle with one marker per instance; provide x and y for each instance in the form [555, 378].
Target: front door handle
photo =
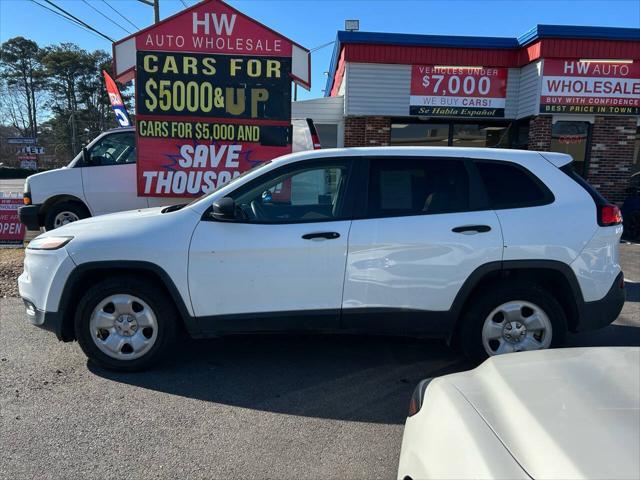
[318, 235]
[471, 229]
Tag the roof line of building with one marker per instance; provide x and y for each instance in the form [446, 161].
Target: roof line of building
[456, 41]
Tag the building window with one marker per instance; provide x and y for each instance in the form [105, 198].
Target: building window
[328, 134]
[457, 134]
[520, 134]
[424, 134]
[480, 135]
[572, 138]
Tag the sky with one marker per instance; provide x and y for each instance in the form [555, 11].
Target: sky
[313, 23]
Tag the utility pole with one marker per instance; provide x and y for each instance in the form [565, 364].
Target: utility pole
[156, 8]
[74, 134]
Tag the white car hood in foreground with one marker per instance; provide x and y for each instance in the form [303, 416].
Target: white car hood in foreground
[108, 220]
[565, 413]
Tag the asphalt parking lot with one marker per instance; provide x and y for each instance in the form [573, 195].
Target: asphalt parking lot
[238, 407]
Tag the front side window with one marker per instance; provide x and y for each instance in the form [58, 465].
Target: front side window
[305, 194]
[510, 187]
[417, 186]
[115, 149]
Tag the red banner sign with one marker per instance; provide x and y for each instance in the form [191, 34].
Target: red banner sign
[458, 91]
[11, 230]
[591, 87]
[209, 156]
[214, 27]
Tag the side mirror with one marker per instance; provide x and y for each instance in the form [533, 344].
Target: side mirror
[224, 209]
[85, 156]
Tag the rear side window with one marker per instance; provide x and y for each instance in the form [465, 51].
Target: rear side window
[509, 186]
[416, 186]
[595, 194]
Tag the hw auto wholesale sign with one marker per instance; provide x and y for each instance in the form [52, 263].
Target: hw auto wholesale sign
[592, 87]
[458, 91]
[213, 97]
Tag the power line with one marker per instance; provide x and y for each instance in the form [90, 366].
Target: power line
[185, 4]
[65, 17]
[121, 16]
[315, 49]
[112, 21]
[78, 20]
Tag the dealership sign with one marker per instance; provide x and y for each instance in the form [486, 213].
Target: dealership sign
[22, 140]
[31, 150]
[11, 230]
[213, 97]
[458, 91]
[590, 87]
[28, 162]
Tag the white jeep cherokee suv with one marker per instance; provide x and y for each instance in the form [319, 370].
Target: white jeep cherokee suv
[499, 250]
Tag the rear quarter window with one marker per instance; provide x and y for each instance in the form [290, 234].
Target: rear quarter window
[511, 186]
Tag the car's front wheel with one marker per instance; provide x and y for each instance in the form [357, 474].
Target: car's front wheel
[512, 318]
[125, 324]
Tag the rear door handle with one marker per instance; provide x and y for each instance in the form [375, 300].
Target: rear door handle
[318, 235]
[471, 229]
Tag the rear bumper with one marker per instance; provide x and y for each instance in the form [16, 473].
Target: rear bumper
[603, 312]
[30, 216]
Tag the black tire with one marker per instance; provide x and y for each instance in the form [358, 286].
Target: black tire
[488, 299]
[75, 208]
[163, 308]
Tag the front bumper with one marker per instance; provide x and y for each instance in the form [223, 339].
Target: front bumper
[50, 321]
[603, 312]
[41, 284]
[30, 216]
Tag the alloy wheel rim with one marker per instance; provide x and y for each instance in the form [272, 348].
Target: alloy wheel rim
[516, 326]
[63, 218]
[123, 327]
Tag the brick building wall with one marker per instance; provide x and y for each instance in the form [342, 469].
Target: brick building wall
[367, 131]
[612, 149]
[540, 133]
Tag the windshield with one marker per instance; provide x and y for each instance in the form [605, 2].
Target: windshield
[257, 166]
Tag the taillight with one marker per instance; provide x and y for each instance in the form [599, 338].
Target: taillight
[609, 215]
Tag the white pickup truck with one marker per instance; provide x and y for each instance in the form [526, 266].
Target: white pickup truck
[102, 179]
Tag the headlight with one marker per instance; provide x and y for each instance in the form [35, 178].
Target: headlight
[48, 243]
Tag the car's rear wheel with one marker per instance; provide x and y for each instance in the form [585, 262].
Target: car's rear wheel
[125, 324]
[62, 213]
[511, 318]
